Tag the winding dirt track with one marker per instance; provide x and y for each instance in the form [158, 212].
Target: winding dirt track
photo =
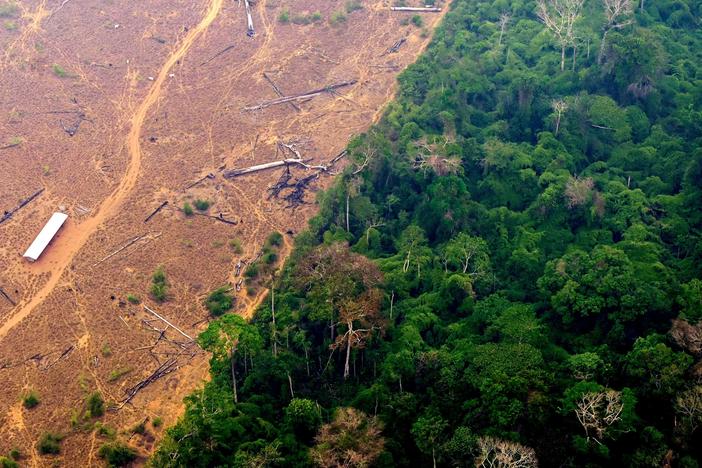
[75, 236]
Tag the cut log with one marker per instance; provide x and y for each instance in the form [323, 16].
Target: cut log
[168, 323]
[301, 97]
[226, 49]
[262, 167]
[8, 214]
[279, 92]
[200, 180]
[4, 294]
[249, 21]
[155, 212]
[417, 9]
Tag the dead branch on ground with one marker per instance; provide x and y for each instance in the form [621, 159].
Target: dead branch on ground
[166, 368]
[128, 244]
[226, 49]
[299, 97]
[210, 176]
[417, 9]
[395, 47]
[6, 296]
[279, 92]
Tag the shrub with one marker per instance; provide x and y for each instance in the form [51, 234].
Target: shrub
[316, 17]
[133, 299]
[9, 25]
[95, 405]
[219, 302]
[159, 285]
[15, 454]
[337, 17]
[417, 21]
[119, 373]
[49, 443]
[352, 6]
[8, 463]
[108, 432]
[284, 16]
[8, 10]
[235, 245]
[201, 205]
[157, 421]
[187, 209]
[106, 351]
[30, 400]
[117, 454]
[59, 71]
[139, 428]
[274, 239]
[270, 258]
[251, 271]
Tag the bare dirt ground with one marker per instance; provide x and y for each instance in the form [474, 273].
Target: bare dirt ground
[157, 109]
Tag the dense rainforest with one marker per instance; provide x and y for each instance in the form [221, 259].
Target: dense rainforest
[508, 272]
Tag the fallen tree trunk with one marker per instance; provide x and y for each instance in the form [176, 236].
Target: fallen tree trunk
[168, 323]
[8, 214]
[300, 97]
[200, 180]
[279, 92]
[417, 9]
[262, 167]
[155, 212]
[249, 27]
[4, 294]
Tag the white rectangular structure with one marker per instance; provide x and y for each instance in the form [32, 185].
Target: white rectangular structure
[45, 236]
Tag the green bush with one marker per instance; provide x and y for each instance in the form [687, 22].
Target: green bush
[139, 428]
[187, 209]
[8, 463]
[337, 17]
[15, 454]
[30, 400]
[219, 302]
[119, 373]
[235, 245]
[284, 16]
[269, 258]
[95, 405]
[417, 21]
[133, 299]
[352, 6]
[49, 443]
[117, 454]
[274, 239]
[251, 271]
[157, 421]
[8, 9]
[201, 205]
[59, 71]
[159, 285]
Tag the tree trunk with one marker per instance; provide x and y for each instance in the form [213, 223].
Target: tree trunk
[575, 53]
[563, 48]
[602, 47]
[433, 455]
[275, 338]
[400, 384]
[234, 384]
[292, 393]
[347, 369]
[558, 122]
[348, 195]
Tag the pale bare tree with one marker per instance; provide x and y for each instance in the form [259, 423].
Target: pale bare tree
[496, 453]
[689, 405]
[687, 336]
[559, 17]
[503, 22]
[559, 106]
[578, 191]
[428, 158]
[618, 15]
[598, 411]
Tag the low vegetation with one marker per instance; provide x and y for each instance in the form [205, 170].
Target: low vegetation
[59, 71]
[30, 400]
[117, 454]
[159, 285]
[219, 302]
[188, 209]
[9, 10]
[49, 443]
[201, 205]
[117, 374]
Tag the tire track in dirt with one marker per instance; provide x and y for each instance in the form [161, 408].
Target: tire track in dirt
[75, 237]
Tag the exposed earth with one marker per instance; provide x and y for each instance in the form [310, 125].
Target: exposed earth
[113, 107]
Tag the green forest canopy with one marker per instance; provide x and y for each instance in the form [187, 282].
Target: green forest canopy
[518, 275]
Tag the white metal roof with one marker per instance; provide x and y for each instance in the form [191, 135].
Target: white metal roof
[45, 236]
